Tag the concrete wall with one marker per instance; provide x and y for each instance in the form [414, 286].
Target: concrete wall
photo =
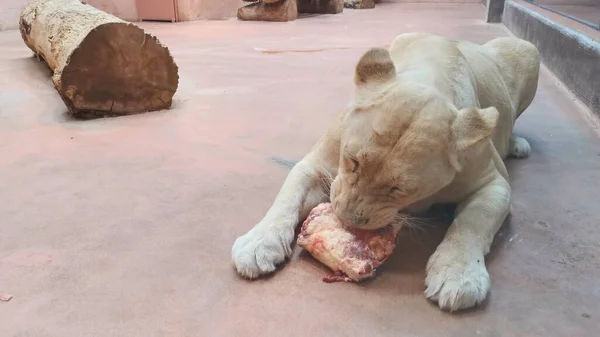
[494, 10]
[10, 10]
[188, 10]
[568, 2]
[124, 9]
[572, 56]
[127, 10]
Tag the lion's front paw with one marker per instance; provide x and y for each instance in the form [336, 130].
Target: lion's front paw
[259, 251]
[455, 280]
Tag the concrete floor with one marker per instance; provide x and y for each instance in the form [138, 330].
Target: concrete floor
[123, 226]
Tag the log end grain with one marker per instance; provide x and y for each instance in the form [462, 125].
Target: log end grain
[117, 69]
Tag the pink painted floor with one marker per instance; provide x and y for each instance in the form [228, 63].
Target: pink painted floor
[123, 226]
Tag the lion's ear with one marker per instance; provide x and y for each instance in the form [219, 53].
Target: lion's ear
[470, 127]
[473, 125]
[375, 66]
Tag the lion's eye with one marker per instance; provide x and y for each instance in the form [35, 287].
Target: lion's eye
[397, 190]
[350, 160]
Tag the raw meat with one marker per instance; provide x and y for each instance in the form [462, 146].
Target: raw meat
[353, 254]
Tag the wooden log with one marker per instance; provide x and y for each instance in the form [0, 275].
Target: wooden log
[360, 4]
[269, 10]
[103, 66]
[320, 6]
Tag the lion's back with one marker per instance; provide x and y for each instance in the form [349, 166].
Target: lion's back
[519, 63]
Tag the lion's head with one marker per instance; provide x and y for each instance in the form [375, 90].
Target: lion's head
[401, 143]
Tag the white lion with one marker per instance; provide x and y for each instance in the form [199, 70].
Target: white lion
[431, 122]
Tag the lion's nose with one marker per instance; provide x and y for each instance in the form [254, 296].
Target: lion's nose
[358, 220]
[350, 217]
[354, 220]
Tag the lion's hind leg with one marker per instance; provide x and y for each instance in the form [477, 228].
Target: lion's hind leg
[519, 147]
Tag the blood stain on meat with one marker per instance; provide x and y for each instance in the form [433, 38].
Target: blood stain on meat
[352, 254]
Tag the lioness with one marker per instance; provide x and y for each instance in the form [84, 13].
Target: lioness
[431, 122]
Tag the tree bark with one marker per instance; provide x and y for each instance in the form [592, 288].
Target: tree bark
[103, 66]
[320, 6]
[360, 4]
[269, 10]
